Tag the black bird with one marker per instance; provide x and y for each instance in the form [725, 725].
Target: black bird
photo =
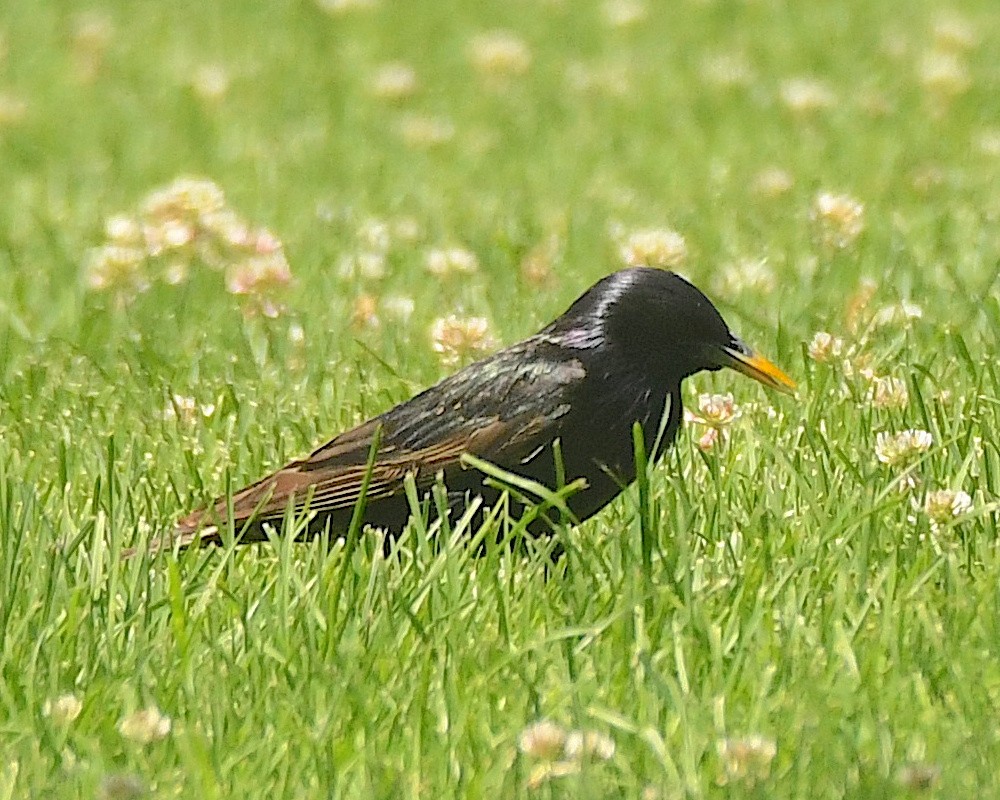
[616, 357]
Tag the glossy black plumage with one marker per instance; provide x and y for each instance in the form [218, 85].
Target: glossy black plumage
[617, 356]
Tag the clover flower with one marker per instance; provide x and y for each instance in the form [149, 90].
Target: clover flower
[210, 82]
[772, 182]
[889, 392]
[63, 710]
[145, 725]
[806, 95]
[499, 54]
[902, 313]
[746, 760]
[825, 346]
[918, 777]
[560, 752]
[839, 219]
[623, 13]
[457, 339]
[394, 81]
[902, 448]
[747, 275]
[181, 226]
[589, 744]
[944, 74]
[654, 248]
[946, 505]
[450, 260]
[543, 740]
[421, 131]
[90, 37]
[716, 412]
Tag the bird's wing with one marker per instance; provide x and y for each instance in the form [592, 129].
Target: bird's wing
[499, 410]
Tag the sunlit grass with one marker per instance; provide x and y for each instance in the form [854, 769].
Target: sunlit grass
[794, 603]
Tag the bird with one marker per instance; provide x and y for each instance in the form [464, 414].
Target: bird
[615, 358]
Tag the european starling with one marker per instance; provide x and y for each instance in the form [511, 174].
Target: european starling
[615, 358]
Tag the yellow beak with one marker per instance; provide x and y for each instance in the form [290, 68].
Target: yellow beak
[759, 368]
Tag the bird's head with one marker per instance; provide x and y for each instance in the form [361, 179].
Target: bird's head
[667, 324]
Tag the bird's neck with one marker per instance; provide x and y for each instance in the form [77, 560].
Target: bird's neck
[630, 396]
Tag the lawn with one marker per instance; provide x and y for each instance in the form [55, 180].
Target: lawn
[229, 230]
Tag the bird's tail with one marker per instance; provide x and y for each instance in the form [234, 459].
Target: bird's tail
[191, 531]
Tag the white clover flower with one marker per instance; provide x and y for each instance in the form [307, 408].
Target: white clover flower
[889, 392]
[375, 234]
[406, 229]
[447, 261]
[839, 218]
[261, 275]
[825, 346]
[13, 109]
[366, 265]
[953, 32]
[63, 710]
[727, 70]
[902, 313]
[422, 131]
[804, 95]
[543, 740]
[747, 759]
[145, 726]
[560, 753]
[654, 248]
[902, 448]
[210, 82]
[623, 13]
[455, 339]
[90, 37]
[944, 505]
[582, 745]
[747, 275]
[182, 407]
[399, 306]
[260, 279]
[717, 410]
[537, 264]
[499, 54]
[337, 7]
[227, 226]
[181, 226]
[184, 196]
[988, 142]
[772, 182]
[394, 81]
[370, 265]
[116, 268]
[123, 231]
[944, 74]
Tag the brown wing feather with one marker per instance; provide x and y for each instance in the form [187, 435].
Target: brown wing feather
[426, 436]
[330, 478]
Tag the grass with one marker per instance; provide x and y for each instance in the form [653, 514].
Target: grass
[785, 584]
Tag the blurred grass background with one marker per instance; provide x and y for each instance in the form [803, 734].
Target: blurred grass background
[799, 595]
